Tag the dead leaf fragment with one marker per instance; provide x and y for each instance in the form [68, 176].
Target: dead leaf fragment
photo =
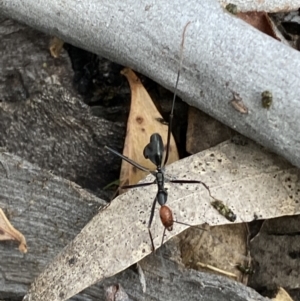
[238, 103]
[56, 46]
[143, 121]
[8, 232]
[207, 249]
[261, 21]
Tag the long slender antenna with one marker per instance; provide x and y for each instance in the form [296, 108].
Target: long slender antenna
[175, 93]
[129, 160]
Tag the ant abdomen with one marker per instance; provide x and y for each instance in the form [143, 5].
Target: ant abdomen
[166, 217]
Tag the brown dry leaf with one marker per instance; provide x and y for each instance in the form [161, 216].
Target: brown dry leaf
[143, 121]
[8, 232]
[261, 21]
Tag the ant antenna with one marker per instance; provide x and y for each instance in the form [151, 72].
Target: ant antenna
[175, 94]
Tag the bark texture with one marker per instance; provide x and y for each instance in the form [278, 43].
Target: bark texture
[47, 209]
[49, 126]
[43, 120]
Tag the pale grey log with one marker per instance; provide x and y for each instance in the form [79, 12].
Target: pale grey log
[222, 53]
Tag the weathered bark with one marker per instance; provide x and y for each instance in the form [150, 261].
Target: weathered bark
[222, 53]
[47, 209]
[48, 124]
[166, 280]
[269, 244]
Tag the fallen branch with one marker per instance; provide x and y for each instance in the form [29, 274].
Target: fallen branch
[222, 54]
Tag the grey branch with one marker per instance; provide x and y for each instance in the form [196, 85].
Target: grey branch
[222, 55]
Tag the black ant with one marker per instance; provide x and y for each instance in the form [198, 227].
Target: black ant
[154, 151]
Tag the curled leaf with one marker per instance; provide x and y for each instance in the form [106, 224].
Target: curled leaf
[56, 46]
[144, 120]
[8, 232]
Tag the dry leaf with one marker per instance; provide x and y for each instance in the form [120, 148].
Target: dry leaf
[8, 232]
[261, 21]
[209, 247]
[238, 104]
[142, 123]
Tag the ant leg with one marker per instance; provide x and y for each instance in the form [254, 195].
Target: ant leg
[186, 181]
[152, 212]
[150, 222]
[137, 185]
[192, 182]
[163, 237]
[151, 239]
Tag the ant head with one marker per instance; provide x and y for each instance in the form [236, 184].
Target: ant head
[155, 149]
[166, 217]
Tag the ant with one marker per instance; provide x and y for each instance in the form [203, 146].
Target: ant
[154, 151]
